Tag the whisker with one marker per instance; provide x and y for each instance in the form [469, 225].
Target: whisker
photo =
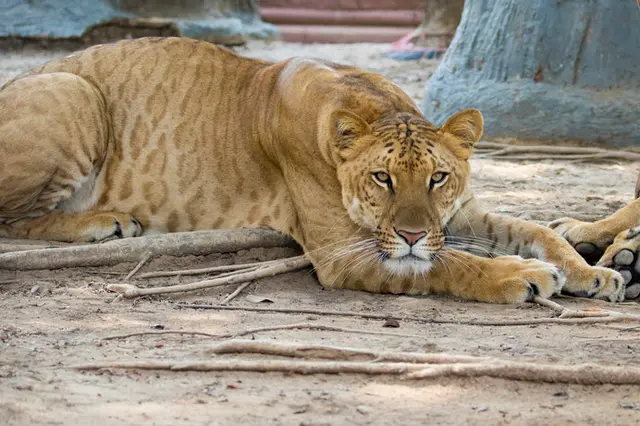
[454, 255]
[479, 241]
[469, 247]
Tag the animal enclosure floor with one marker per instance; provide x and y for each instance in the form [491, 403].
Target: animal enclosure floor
[52, 320]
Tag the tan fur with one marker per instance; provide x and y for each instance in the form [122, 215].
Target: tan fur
[166, 135]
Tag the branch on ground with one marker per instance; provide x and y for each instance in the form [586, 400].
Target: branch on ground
[504, 151]
[135, 249]
[585, 374]
[609, 318]
[300, 326]
[272, 268]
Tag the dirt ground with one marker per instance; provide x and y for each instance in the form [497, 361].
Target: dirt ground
[52, 320]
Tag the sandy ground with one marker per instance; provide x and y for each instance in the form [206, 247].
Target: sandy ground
[50, 321]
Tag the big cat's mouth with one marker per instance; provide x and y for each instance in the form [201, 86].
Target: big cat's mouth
[409, 264]
[413, 257]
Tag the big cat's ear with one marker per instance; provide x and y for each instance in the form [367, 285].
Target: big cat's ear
[466, 127]
[346, 128]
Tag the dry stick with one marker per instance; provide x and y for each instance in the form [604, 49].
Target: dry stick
[140, 264]
[10, 244]
[235, 293]
[321, 327]
[200, 271]
[565, 312]
[159, 332]
[531, 157]
[287, 265]
[473, 322]
[8, 248]
[300, 326]
[339, 353]
[556, 307]
[555, 149]
[133, 249]
[586, 374]
[632, 328]
[605, 339]
[285, 366]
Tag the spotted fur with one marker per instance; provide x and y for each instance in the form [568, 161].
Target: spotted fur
[162, 135]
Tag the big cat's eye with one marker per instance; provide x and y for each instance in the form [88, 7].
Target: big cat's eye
[438, 178]
[383, 179]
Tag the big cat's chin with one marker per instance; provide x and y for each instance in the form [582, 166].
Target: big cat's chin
[408, 265]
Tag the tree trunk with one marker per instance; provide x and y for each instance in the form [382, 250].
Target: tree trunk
[442, 16]
[544, 70]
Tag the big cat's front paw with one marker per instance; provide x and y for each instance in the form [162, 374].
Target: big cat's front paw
[594, 282]
[512, 279]
[589, 239]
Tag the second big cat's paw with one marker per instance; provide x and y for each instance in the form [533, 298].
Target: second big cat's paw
[589, 239]
[623, 256]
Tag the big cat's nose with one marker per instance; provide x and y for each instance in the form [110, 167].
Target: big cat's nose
[411, 237]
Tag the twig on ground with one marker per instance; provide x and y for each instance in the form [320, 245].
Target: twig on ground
[133, 249]
[200, 271]
[321, 327]
[97, 272]
[471, 322]
[9, 248]
[556, 307]
[8, 282]
[286, 265]
[161, 332]
[607, 339]
[300, 326]
[564, 312]
[8, 245]
[619, 328]
[236, 292]
[533, 157]
[338, 353]
[285, 366]
[632, 328]
[140, 264]
[586, 374]
[499, 150]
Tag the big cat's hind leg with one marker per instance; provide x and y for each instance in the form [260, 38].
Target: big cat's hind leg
[75, 227]
[54, 137]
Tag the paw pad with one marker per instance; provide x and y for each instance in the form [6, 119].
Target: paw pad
[627, 262]
[590, 252]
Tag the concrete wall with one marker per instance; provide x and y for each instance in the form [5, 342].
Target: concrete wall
[91, 21]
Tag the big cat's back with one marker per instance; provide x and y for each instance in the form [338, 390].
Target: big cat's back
[148, 59]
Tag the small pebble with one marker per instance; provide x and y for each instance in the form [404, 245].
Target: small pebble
[363, 409]
[391, 323]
